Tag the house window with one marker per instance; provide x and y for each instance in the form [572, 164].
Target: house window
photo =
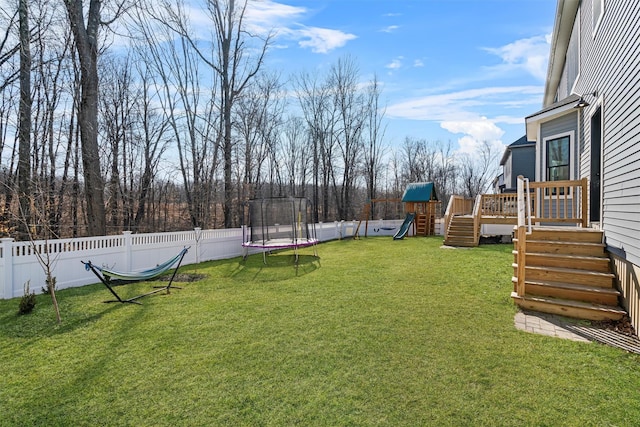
[558, 165]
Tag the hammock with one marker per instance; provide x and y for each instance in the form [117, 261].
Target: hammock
[107, 276]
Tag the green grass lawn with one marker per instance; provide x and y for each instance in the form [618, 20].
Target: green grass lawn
[375, 332]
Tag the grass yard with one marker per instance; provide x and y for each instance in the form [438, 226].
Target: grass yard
[375, 333]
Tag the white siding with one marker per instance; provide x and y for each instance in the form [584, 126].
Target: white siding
[610, 65]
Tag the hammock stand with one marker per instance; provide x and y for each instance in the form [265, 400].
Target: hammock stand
[110, 278]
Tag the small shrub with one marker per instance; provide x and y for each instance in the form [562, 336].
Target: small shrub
[28, 301]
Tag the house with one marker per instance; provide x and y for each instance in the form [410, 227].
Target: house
[589, 126]
[519, 158]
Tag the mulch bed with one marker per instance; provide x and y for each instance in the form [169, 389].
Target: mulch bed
[622, 326]
[616, 333]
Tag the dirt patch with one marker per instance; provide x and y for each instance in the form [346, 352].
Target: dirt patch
[184, 277]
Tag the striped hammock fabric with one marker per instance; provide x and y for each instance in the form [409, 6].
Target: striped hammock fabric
[141, 275]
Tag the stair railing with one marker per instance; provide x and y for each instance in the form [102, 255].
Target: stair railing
[476, 218]
[522, 229]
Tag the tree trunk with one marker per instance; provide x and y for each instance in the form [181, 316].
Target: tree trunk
[24, 132]
[87, 49]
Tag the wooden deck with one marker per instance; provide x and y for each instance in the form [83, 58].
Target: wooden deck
[560, 265]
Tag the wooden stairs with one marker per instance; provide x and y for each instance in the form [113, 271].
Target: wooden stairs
[460, 232]
[568, 273]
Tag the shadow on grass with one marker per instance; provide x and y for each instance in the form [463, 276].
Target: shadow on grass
[279, 266]
[78, 308]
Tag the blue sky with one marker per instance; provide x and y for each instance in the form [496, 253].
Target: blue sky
[452, 70]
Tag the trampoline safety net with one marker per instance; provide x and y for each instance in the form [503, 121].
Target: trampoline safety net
[279, 222]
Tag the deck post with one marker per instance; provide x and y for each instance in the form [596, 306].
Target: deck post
[476, 215]
[521, 250]
[521, 259]
[583, 201]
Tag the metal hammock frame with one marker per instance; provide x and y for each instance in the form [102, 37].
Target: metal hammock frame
[110, 278]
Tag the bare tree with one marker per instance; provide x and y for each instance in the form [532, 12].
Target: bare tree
[478, 170]
[8, 47]
[86, 42]
[175, 73]
[233, 61]
[349, 106]
[24, 126]
[373, 150]
[154, 141]
[258, 122]
[314, 97]
[295, 155]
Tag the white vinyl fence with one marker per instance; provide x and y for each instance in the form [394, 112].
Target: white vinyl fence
[132, 252]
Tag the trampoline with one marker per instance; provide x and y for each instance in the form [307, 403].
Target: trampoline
[278, 223]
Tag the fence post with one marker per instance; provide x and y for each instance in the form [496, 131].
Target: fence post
[127, 251]
[7, 264]
[198, 235]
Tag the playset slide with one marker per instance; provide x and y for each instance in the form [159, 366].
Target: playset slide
[404, 229]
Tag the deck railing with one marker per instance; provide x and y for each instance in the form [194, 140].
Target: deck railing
[505, 204]
[547, 202]
[560, 202]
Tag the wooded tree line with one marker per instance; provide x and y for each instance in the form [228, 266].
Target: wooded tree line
[116, 116]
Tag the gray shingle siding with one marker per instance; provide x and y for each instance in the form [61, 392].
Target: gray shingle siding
[524, 163]
[563, 124]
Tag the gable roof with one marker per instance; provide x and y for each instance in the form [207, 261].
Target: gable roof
[419, 192]
[521, 142]
[557, 109]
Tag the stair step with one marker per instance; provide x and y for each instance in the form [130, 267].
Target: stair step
[579, 262]
[569, 308]
[572, 291]
[568, 275]
[564, 247]
[574, 234]
[459, 242]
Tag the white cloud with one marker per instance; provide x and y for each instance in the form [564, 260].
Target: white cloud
[395, 64]
[482, 129]
[460, 105]
[390, 29]
[418, 63]
[270, 14]
[284, 21]
[467, 113]
[475, 133]
[322, 40]
[530, 54]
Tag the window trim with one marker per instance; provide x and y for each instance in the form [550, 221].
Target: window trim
[572, 153]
